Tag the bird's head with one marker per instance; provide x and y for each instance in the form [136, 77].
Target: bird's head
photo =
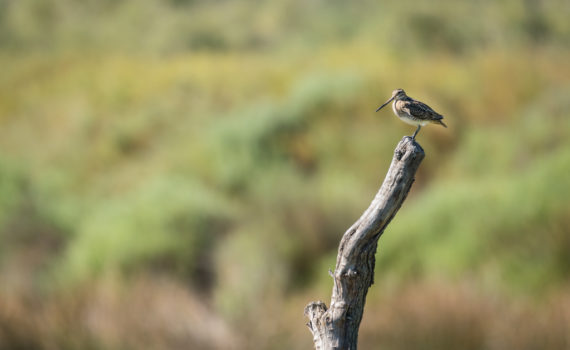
[396, 95]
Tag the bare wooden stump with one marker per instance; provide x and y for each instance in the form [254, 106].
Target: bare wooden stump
[337, 326]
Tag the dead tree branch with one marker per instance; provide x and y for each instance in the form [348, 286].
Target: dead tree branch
[337, 326]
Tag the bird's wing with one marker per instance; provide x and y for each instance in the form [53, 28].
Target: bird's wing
[421, 111]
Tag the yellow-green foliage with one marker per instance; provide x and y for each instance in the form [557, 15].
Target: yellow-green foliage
[226, 146]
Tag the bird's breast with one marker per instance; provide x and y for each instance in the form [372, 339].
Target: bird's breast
[398, 108]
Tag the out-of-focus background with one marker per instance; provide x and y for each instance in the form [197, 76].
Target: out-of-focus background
[177, 174]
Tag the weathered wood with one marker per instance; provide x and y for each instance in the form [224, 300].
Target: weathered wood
[337, 326]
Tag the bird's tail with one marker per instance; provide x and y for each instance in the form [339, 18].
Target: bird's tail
[440, 122]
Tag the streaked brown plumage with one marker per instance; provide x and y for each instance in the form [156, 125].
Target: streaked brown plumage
[412, 111]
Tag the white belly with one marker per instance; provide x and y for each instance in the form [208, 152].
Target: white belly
[406, 118]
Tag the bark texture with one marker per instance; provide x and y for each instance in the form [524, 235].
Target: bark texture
[337, 326]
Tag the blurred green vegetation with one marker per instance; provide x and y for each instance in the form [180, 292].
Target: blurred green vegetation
[171, 172]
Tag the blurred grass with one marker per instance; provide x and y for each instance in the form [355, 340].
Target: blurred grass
[507, 200]
[187, 152]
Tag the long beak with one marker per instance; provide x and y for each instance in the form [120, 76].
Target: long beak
[390, 100]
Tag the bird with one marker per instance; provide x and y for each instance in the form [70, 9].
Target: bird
[412, 111]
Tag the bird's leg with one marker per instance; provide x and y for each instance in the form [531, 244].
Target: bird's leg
[418, 129]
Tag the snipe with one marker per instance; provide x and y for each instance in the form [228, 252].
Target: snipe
[412, 111]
